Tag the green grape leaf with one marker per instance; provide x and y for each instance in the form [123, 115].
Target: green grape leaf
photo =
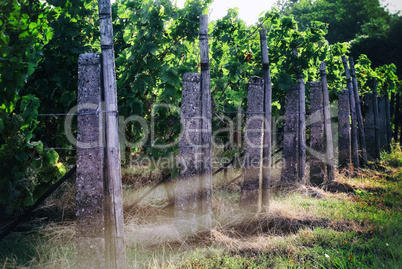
[51, 156]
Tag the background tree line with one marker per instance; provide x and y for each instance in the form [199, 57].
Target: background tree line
[369, 28]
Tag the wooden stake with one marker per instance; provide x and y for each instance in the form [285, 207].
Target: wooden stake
[266, 164]
[327, 125]
[115, 246]
[362, 137]
[225, 170]
[302, 121]
[355, 147]
[206, 113]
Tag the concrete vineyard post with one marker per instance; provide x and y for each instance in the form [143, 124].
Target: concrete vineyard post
[382, 122]
[90, 242]
[317, 166]
[327, 125]
[388, 117]
[369, 126]
[344, 143]
[189, 157]
[376, 120]
[397, 117]
[249, 197]
[290, 137]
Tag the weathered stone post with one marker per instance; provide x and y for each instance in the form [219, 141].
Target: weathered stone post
[396, 118]
[369, 126]
[344, 129]
[388, 117]
[317, 153]
[382, 123]
[90, 198]
[291, 137]
[327, 125]
[376, 120]
[249, 197]
[189, 158]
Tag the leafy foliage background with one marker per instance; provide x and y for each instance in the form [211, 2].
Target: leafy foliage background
[155, 44]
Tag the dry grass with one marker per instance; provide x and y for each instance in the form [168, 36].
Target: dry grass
[292, 225]
[233, 230]
[151, 228]
[61, 205]
[139, 176]
[273, 231]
